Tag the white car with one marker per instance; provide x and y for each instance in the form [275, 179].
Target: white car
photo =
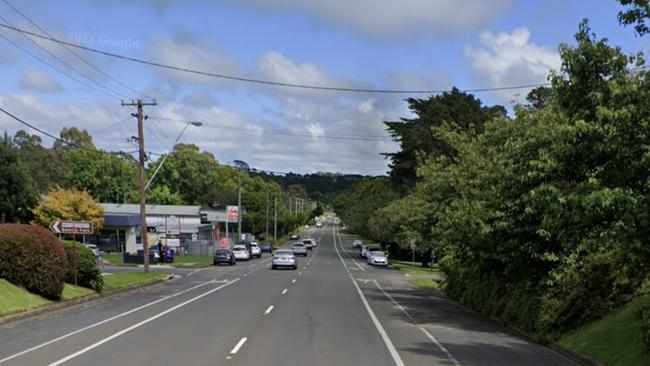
[241, 253]
[94, 249]
[366, 249]
[319, 224]
[256, 251]
[357, 243]
[309, 243]
[377, 258]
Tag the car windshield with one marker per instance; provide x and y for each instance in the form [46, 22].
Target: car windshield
[299, 245]
[283, 253]
[238, 249]
[377, 254]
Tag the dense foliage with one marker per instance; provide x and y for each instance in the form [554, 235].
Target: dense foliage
[18, 195]
[540, 220]
[88, 273]
[30, 256]
[69, 204]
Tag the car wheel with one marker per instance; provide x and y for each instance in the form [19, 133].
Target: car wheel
[295, 268]
[273, 267]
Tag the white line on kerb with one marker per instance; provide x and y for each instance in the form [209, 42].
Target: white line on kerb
[238, 346]
[137, 325]
[102, 322]
[384, 336]
[284, 291]
[268, 310]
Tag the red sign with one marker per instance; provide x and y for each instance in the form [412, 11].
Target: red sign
[233, 213]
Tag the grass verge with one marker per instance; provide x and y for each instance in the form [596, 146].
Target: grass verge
[127, 279]
[192, 261]
[15, 298]
[115, 259]
[612, 341]
[71, 292]
[424, 284]
[406, 267]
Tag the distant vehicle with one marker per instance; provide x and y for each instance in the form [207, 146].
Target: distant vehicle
[299, 249]
[224, 256]
[294, 237]
[319, 224]
[357, 243]
[266, 247]
[284, 258]
[377, 258]
[96, 251]
[309, 243]
[366, 249]
[255, 250]
[241, 253]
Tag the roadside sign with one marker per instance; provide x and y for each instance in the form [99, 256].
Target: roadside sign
[413, 241]
[233, 213]
[72, 227]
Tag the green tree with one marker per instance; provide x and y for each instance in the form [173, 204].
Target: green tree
[539, 97]
[18, 195]
[45, 166]
[162, 195]
[637, 13]
[71, 138]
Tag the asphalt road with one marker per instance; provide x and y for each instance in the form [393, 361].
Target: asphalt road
[333, 310]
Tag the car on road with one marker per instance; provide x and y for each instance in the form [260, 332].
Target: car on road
[294, 237]
[96, 251]
[319, 224]
[309, 243]
[299, 249]
[255, 250]
[284, 258]
[366, 249]
[357, 243]
[224, 256]
[266, 247]
[377, 258]
[241, 253]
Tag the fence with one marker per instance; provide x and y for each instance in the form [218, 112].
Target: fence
[199, 247]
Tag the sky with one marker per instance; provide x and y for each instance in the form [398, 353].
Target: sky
[376, 44]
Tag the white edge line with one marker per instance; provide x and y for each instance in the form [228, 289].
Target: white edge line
[268, 310]
[384, 336]
[137, 325]
[103, 322]
[238, 346]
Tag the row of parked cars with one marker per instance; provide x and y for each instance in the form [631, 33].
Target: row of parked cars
[241, 251]
[283, 258]
[371, 253]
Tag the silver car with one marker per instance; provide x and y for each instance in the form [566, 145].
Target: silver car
[377, 258]
[284, 258]
[299, 249]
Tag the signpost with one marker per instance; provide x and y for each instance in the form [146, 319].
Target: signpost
[413, 250]
[232, 213]
[74, 228]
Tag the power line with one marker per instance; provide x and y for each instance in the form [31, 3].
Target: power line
[74, 53]
[109, 90]
[260, 81]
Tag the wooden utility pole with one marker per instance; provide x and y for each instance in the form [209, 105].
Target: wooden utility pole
[141, 173]
[267, 212]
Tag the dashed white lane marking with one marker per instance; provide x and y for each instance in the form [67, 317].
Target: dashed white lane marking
[299, 273]
[245, 274]
[238, 346]
[139, 324]
[434, 340]
[293, 281]
[284, 291]
[268, 310]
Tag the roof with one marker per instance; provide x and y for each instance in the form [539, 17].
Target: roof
[178, 210]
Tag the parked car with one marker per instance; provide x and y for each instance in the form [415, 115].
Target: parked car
[224, 256]
[284, 258]
[96, 251]
[377, 258]
[266, 247]
[294, 237]
[366, 249]
[309, 243]
[241, 253]
[357, 243]
[319, 224]
[255, 250]
[299, 249]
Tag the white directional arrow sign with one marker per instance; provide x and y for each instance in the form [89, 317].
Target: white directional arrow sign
[72, 227]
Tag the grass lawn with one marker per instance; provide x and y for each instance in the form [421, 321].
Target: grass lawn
[406, 267]
[192, 261]
[72, 292]
[424, 284]
[126, 279]
[612, 341]
[114, 259]
[15, 298]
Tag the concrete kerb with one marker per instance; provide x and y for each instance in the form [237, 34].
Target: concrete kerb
[50, 308]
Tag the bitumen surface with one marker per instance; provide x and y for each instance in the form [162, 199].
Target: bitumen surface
[332, 310]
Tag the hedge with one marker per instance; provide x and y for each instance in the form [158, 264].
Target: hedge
[88, 273]
[32, 257]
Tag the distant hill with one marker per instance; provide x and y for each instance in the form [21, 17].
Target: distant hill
[321, 187]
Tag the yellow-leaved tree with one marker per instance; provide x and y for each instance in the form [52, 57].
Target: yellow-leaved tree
[69, 204]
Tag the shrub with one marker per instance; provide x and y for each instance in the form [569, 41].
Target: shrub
[32, 257]
[643, 315]
[88, 274]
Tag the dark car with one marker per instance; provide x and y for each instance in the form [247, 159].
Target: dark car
[224, 256]
[266, 247]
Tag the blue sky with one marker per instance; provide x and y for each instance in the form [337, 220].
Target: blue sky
[410, 44]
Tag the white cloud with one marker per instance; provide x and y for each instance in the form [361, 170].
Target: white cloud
[392, 17]
[507, 59]
[37, 80]
[277, 67]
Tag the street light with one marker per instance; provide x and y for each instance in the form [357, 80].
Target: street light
[193, 123]
[239, 165]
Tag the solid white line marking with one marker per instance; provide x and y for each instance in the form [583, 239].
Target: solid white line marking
[238, 346]
[434, 340]
[284, 291]
[293, 281]
[103, 322]
[137, 325]
[268, 310]
[384, 336]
